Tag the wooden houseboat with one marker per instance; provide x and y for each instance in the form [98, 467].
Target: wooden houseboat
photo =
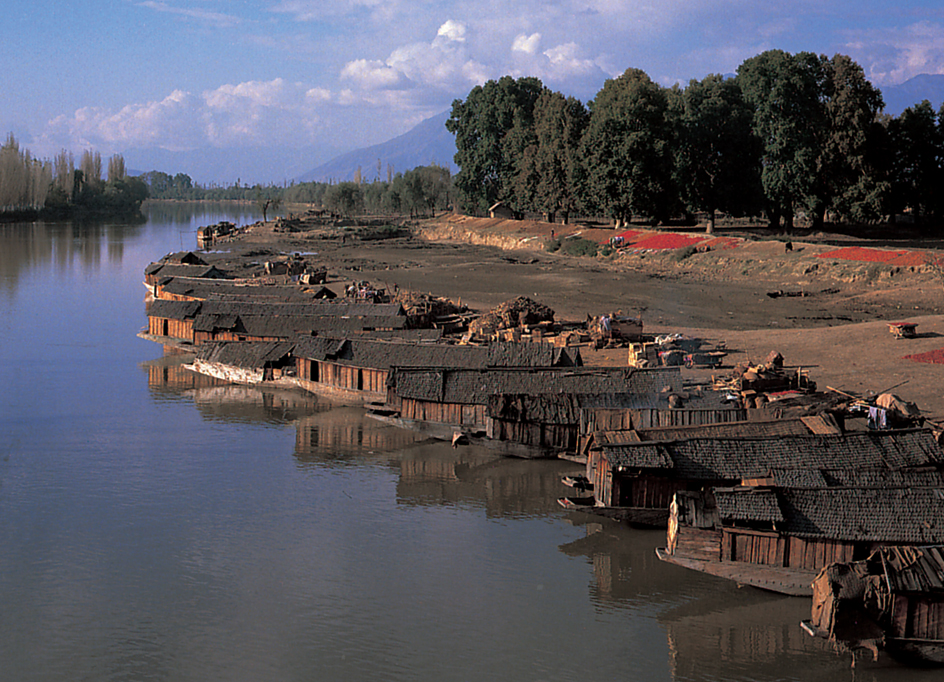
[246, 362]
[636, 481]
[778, 538]
[447, 401]
[894, 601]
[162, 272]
[559, 421]
[358, 369]
[197, 322]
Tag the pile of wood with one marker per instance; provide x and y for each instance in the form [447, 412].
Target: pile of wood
[518, 312]
[426, 311]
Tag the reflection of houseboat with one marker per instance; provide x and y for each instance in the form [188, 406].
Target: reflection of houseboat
[779, 538]
[894, 600]
[636, 481]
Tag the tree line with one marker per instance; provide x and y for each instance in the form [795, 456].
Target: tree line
[790, 135]
[31, 187]
[419, 191]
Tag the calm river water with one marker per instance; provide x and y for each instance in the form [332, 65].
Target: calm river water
[155, 525]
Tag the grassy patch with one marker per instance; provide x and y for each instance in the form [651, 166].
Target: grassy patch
[681, 254]
[579, 247]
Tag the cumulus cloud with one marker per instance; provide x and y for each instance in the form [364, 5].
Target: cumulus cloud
[371, 74]
[443, 64]
[246, 114]
[453, 31]
[527, 44]
[893, 55]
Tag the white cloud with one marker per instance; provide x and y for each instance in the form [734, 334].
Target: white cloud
[527, 44]
[452, 30]
[893, 55]
[246, 114]
[371, 74]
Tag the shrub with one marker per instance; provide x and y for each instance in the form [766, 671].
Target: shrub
[681, 254]
[580, 247]
[552, 245]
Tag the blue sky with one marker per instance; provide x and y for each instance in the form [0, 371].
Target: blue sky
[264, 90]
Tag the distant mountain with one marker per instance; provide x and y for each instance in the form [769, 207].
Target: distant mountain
[426, 144]
[924, 87]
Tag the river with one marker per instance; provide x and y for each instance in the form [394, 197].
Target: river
[157, 525]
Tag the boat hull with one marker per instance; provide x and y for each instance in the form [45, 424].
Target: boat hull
[781, 580]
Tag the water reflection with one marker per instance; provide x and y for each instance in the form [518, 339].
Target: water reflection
[61, 245]
[435, 473]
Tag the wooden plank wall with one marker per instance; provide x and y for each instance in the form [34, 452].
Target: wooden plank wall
[445, 413]
[698, 543]
[177, 329]
[772, 549]
[918, 617]
[815, 554]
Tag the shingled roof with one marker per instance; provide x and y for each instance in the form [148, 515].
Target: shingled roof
[910, 515]
[173, 310]
[246, 354]
[474, 386]
[170, 270]
[735, 458]
[565, 408]
[379, 354]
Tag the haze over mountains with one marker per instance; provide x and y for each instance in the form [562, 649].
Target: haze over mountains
[427, 144]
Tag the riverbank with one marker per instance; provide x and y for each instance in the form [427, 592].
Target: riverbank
[829, 314]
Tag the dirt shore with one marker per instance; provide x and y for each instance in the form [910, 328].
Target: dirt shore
[828, 315]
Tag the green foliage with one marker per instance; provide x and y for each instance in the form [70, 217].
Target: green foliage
[493, 128]
[578, 246]
[626, 149]
[678, 255]
[717, 157]
[552, 245]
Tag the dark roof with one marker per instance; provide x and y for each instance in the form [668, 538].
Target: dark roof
[333, 315]
[173, 310]
[748, 504]
[171, 270]
[203, 289]
[246, 354]
[909, 515]
[314, 308]
[474, 386]
[565, 408]
[532, 355]
[739, 429]
[736, 458]
[380, 354]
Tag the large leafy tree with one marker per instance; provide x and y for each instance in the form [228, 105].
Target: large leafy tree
[717, 156]
[549, 170]
[784, 91]
[493, 126]
[626, 149]
[848, 181]
[917, 147]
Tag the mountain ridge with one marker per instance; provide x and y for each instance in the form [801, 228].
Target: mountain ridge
[425, 144]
